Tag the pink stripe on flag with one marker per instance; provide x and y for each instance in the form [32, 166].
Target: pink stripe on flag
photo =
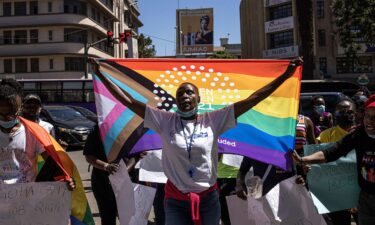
[102, 90]
[110, 120]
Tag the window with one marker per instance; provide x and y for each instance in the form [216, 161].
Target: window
[34, 36]
[74, 64]
[49, 6]
[7, 37]
[8, 64]
[279, 12]
[50, 35]
[21, 65]
[75, 35]
[7, 9]
[320, 8]
[33, 7]
[282, 39]
[19, 8]
[321, 38]
[34, 64]
[20, 37]
[51, 64]
[354, 65]
[323, 65]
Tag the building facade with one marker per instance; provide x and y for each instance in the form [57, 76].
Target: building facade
[269, 29]
[46, 39]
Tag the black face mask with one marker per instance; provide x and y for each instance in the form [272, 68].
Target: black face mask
[344, 118]
[31, 117]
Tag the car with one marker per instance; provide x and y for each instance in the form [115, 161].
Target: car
[86, 113]
[330, 98]
[70, 125]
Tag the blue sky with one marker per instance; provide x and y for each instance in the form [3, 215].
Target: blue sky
[159, 21]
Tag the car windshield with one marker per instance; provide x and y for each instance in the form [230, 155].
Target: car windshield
[85, 112]
[65, 114]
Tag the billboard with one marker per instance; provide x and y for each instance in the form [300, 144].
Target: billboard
[195, 30]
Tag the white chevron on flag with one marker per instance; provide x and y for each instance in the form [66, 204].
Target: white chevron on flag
[104, 106]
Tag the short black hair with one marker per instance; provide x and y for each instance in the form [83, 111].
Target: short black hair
[10, 89]
[205, 17]
[316, 97]
[188, 83]
[345, 99]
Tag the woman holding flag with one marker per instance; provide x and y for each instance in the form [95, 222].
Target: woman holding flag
[190, 148]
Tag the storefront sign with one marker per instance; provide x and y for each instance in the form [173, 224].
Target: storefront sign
[279, 25]
[274, 2]
[279, 53]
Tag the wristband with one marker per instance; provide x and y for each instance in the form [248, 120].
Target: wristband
[106, 167]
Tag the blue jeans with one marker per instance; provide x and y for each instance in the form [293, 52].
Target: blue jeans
[179, 212]
[366, 209]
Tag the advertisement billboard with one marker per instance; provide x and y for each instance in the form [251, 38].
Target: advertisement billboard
[195, 29]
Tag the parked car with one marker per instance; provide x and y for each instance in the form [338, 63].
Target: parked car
[70, 125]
[330, 98]
[86, 113]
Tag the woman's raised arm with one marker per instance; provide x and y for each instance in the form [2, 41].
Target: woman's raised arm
[242, 106]
[122, 96]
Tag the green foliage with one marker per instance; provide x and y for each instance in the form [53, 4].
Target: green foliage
[222, 55]
[355, 21]
[145, 47]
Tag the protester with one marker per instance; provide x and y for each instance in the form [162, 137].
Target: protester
[359, 101]
[320, 118]
[190, 148]
[101, 186]
[19, 147]
[362, 139]
[344, 118]
[31, 107]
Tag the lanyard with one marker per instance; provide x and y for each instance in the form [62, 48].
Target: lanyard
[188, 145]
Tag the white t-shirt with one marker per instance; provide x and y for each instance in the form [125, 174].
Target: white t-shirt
[18, 156]
[48, 127]
[204, 146]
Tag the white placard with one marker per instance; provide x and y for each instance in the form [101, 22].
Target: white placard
[279, 25]
[144, 198]
[35, 203]
[151, 168]
[232, 160]
[281, 206]
[124, 193]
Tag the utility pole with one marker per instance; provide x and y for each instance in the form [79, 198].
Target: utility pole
[86, 47]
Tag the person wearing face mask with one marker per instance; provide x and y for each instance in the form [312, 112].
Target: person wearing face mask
[190, 147]
[345, 120]
[31, 107]
[362, 139]
[321, 119]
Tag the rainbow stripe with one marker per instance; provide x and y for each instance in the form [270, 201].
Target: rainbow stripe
[266, 132]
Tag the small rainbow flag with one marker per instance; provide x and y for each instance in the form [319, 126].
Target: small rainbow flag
[80, 213]
[266, 132]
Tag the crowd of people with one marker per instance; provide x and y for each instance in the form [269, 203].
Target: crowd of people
[196, 189]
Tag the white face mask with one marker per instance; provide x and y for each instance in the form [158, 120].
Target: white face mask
[371, 136]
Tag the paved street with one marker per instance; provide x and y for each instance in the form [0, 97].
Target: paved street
[82, 166]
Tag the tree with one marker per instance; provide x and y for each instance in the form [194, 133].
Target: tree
[305, 22]
[145, 47]
[355, 21]
[221, 55]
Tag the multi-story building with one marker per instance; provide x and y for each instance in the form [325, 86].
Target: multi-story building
[269, 29]
[46, 39]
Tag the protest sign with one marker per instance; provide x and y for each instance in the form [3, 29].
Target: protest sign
[123, 190]
[232, 160]
[42, 203]
[286, 204]
[151, 168]
[334, 185]
[144, 198]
